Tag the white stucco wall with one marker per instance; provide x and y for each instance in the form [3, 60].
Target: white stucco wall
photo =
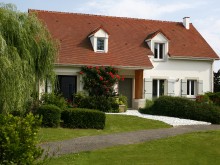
[177, 69]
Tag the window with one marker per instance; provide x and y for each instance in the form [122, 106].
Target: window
[191, 90]
[158, 88]
[100, 44]
[159, 50]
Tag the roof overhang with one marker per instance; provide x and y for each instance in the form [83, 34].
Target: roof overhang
[193, 58]
[116, 66]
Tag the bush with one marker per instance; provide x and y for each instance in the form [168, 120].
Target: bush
[50, 115]
[101, 103]
[78, 97]
[148, 107]
[55, 99]
[83, 118]
[214, 97]
[18, 139]
[202, 99]
[185, 108]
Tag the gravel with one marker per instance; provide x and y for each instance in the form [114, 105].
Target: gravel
[174, 121]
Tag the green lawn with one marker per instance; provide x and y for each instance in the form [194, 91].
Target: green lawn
[201, 148]
[114, 124]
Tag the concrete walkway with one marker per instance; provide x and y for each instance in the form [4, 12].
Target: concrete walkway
[91, 143]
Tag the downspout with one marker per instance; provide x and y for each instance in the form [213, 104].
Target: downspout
[212, 76]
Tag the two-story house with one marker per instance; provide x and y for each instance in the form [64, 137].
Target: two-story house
[156, 57]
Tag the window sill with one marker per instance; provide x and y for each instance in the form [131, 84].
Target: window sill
[100, 51]
[159, 60]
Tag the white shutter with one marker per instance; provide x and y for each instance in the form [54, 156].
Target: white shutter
[148, 88]
[48, 86]
[171, 87]
[183, 87]
[200, 87]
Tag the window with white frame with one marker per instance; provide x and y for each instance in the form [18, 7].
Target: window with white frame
[191, 87]
[100, 44]
[158, 88]
[159, 51]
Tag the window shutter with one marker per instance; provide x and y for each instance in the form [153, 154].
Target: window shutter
[200, 87]
[183, 87]
[171, 87]
[48, 86]
[148, 88]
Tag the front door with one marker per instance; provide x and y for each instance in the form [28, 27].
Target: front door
[67, 86]
[125, 88]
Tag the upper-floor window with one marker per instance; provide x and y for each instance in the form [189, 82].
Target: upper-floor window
[191, 87]
[159, 50]
[100, 44]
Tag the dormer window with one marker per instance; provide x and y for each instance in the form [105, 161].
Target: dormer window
[158, 42]
[159, 50]
[99, 40]
[100, 44]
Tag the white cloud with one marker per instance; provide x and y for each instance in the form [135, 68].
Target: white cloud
[134, 8]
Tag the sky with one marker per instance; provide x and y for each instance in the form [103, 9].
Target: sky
[204, 14]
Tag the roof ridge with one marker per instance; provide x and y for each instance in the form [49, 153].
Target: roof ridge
[99, 15]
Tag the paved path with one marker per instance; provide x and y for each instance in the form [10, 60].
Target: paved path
[91, 143]
[174, 121]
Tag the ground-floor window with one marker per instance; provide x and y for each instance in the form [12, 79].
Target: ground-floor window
[191, 87]
[158, 88]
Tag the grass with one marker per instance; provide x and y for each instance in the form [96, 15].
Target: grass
[201, 148]
[114, 124]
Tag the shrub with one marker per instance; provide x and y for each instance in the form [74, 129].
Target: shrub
[18, 139]
[55, 99]
[214, 97]
[83, 118]
[185, 108]
[101, 103]
[50, 115]
[78, 97]
[202, 99]
[148, 107]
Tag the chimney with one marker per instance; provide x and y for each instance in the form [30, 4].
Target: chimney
[186, 22]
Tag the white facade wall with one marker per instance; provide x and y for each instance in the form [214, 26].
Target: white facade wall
[178, 69]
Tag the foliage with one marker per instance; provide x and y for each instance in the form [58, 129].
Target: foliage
[51, 115]
[214, 97]
[78, 97]
[202, 99]
[101, 103]
[18, 139]
[55, 99]
[185, 108]
[83, 118]
[99, 81]
[148, 107]
[217, 81]
[27, 54]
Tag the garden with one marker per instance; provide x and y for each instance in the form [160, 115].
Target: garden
[27, 56]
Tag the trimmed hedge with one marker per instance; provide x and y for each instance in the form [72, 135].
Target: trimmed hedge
[184, 108]
[83, 118]
[50, 115]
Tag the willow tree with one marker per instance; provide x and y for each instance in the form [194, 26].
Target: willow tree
[27, 54]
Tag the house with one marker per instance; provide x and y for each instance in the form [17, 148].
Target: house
[156, 57]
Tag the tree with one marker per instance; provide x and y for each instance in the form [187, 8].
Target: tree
[27, 54]
[99, 81]
[217, 81]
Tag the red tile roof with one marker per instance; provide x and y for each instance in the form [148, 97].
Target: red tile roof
[127, 46]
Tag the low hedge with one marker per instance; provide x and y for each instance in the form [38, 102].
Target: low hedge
[83, 118]
[51, 115]
[184, 108]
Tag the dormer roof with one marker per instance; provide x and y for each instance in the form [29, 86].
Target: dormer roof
[152, 35]
[97, 29]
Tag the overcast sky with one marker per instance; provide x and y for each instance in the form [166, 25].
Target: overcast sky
[204, 14]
